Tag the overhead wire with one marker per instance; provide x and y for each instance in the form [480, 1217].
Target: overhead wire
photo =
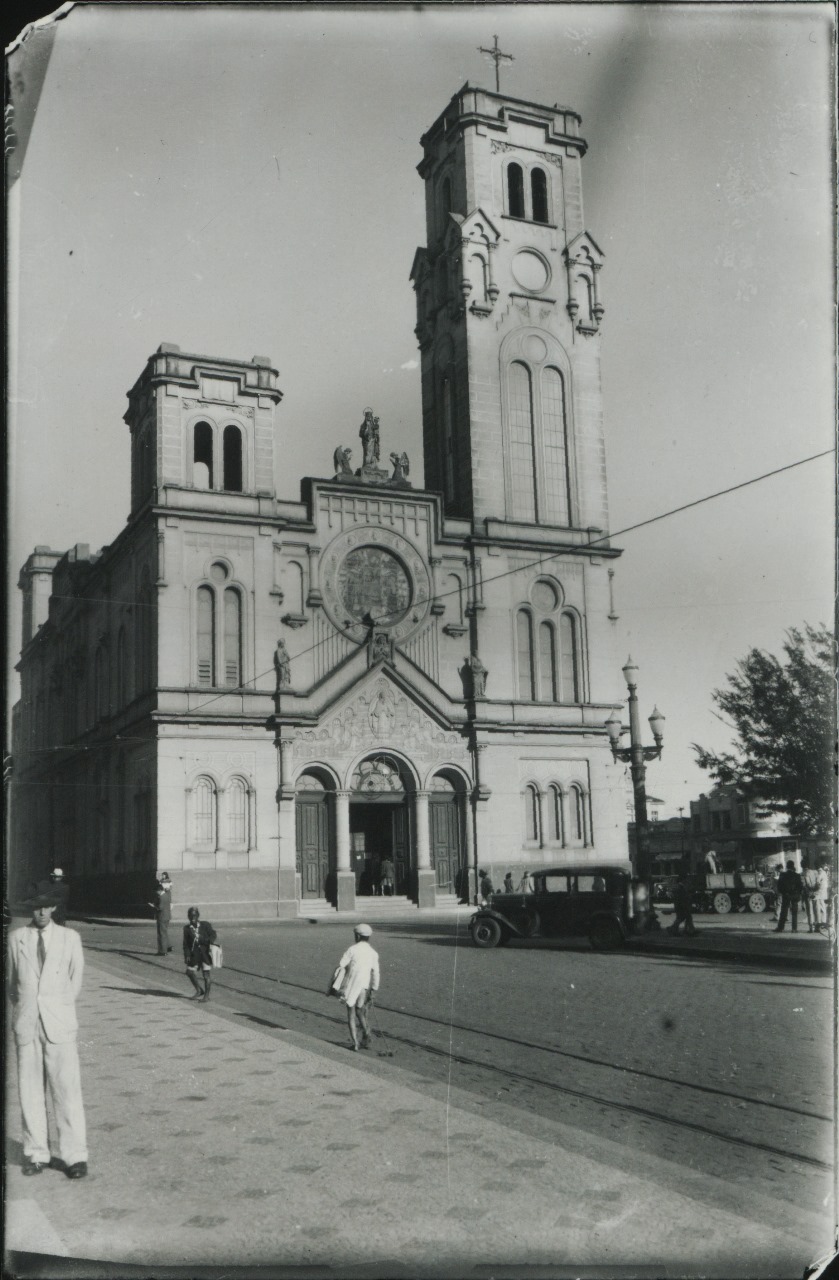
[539, 562]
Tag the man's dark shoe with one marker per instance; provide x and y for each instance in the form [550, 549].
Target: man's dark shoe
[32, 1167]
[55, 1163]
[76, 1170]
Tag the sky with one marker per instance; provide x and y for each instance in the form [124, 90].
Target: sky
[242, 181]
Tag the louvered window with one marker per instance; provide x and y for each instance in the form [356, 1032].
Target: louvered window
[232, 637]
[206, 636]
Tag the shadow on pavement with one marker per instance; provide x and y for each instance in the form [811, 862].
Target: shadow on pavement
[159, 992]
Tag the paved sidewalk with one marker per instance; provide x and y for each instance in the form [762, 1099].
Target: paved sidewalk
[217, 1140]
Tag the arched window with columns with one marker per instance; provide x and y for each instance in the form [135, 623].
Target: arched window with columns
[524, 650]
[569, 658]
[578, 815]
[236, 798]
[556, 821]
[532, 814]
[204, 814]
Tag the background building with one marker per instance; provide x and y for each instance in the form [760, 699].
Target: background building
[266, 697]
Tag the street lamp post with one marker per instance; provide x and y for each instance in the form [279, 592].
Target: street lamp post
[636, 756]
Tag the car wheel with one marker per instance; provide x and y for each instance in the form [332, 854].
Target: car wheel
[605, 934]
[722, 904]
[485, 932]
[756, 903]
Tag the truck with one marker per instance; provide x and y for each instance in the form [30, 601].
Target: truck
[726, 891]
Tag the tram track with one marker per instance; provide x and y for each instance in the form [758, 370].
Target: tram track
[772, 1111]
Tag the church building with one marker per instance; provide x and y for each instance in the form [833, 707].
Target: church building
[277, 700]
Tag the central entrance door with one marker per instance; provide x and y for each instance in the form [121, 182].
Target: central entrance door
[379, 829]
[380, 825]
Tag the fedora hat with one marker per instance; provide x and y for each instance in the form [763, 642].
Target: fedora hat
[43, 898]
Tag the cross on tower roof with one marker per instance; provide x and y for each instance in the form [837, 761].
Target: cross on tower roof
[497, 56]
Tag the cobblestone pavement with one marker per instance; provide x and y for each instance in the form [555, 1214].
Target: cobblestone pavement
[218, 1143]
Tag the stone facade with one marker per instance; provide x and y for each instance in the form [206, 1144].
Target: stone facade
[271, 698]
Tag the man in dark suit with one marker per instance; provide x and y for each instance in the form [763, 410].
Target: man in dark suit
[58, 887]
[790, 887]
[162, 907]
[45, 977]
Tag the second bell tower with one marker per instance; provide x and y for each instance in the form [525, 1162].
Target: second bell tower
[508, 317]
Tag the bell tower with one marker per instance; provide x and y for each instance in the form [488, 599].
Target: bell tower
[509, 315]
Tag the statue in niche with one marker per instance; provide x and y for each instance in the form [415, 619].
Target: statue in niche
[282, 666]
[369, 432]
[478, 674]
[341, 462]
[381, 648]
[401, 467]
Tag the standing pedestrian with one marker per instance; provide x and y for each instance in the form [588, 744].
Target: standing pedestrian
[356, 980]
[46, 964]
[58, 887]
[198, 934]
[485, 883]
[776, 876]
[683, 906]
[810, 877]
[790, 886]
[508, 883]
[162, 907]
[388, 877]
[822, 895]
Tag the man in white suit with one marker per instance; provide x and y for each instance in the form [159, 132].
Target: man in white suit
[45, 977]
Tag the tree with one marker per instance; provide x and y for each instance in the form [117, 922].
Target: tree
[784, 714]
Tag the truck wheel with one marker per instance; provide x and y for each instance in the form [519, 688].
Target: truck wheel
[722, 904]
[756, 903]
[605, 935]
[485, 932]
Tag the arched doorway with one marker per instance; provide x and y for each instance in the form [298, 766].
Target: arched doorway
[446, 823]
[314, 812]
[380, 825]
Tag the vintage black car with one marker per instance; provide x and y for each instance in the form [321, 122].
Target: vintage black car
[603, 903]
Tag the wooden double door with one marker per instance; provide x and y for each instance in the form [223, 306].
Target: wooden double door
[445, 821]
[314, 842]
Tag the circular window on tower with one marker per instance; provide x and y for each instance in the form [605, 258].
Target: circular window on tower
[530, 270]
[372, 583]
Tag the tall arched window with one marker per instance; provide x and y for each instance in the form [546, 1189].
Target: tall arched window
[556, 447]
[515, 191]
[547, 662]
[479, 276]
[232, 459]
[122, 669]
[204, 814]
[232, 637]
[522, 458]
[144, 627]
[531, 814]
[448, 439]
[569, 659]
[206, 637]
[524, 648]
[236, 798]
[556, 831]
[202, 456]
[453, 589]
[445, 203]
[101, 677]
[539, 195]
[578, 815]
